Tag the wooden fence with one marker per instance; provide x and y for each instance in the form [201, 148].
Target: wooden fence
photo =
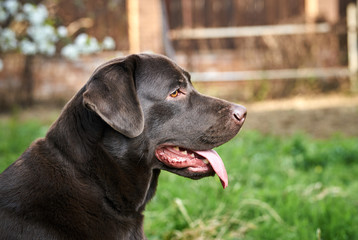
[350, 71]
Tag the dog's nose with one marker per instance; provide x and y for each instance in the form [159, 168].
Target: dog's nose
[239, 113]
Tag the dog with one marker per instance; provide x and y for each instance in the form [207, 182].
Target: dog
[92, 174]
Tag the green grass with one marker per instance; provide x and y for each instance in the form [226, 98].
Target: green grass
[279, 188]
[16, 136]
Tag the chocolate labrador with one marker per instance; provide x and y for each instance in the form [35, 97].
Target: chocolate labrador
[98, 165]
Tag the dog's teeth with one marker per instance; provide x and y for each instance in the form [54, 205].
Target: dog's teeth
[185, 152]
[192, 155]
[206, 161]
[176, 148]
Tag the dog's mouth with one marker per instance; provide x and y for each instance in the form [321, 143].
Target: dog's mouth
[198, 162]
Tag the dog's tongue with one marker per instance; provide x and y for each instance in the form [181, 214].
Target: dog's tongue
[217, 164]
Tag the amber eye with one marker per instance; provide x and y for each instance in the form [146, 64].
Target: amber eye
[174, 94]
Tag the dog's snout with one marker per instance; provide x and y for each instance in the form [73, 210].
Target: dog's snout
[239, 114]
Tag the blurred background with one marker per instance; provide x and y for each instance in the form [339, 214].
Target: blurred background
[292, 63]
[243, 51]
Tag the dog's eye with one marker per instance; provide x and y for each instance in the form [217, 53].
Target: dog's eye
[175, 93]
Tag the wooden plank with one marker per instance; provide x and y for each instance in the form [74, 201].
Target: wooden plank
[255, 31]
[305, 73]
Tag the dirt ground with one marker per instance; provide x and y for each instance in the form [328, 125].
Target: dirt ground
[318, 116]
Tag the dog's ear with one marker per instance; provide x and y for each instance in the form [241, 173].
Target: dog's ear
[111, 93]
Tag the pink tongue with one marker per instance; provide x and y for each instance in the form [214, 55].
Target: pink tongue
[217, 164]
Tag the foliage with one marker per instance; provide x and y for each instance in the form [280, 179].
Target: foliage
[279, 188]
[29, 29]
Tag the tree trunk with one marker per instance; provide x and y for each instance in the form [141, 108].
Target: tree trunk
[26, 92]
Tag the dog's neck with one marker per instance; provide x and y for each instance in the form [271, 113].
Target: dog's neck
[139, 176]
[124, 189]
[76, 126]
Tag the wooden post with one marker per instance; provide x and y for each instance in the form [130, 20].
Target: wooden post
[145, 27]
[133, 25]
[352, 46]
[328, 9]
[311, 10]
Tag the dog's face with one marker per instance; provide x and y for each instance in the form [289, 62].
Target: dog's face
[163, 119]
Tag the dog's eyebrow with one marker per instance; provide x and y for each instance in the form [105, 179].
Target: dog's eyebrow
[180, 82]
[183, 82]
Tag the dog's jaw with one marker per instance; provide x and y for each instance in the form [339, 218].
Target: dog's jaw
[199, 163]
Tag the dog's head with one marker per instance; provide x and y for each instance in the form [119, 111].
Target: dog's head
[152, 106]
